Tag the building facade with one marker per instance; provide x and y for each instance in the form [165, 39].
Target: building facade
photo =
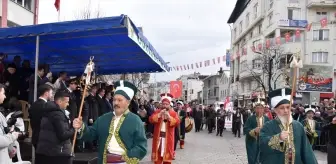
[211, 89]
[157, 88]
[18, 12]
[258, 22]
[192, 84]
[224, 84]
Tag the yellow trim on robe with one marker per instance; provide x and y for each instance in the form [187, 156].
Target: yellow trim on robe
[172, 121]
[274, 143]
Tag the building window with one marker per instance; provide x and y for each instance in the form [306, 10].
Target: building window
[240, 26]
[270, 18]
[256, 63]
[285, 61]
[191, 91]
[320, 57]
[321, 15]
[235, 32]
[24, 3]
[293, 1]
[260, 29]
[209, 83]
[255, 11]
[247, 19]
[321, 34]
[243, 66]
[294, 13]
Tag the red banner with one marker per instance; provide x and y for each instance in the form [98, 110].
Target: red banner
[176, 89]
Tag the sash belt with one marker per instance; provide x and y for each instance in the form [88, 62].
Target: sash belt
[114, 158]
[163, 134]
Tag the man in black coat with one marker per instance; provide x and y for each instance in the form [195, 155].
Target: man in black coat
[72, 108]
[37, 110]
[40, 81]
[54, 140]
[101, 101]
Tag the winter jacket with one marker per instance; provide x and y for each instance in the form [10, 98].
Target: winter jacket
[55, 132]
[5, 141]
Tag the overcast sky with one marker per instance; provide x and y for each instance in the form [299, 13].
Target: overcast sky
[182, 31]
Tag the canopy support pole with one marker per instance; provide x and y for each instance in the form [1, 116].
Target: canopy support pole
[37, 51]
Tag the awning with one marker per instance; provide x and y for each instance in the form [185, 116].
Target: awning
[115, 42]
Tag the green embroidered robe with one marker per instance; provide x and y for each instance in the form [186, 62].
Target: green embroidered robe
[310, 131]
[274, 151]
[251, 140]
[129, 133]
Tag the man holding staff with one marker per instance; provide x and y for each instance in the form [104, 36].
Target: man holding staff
[121, 134]
[282, 144]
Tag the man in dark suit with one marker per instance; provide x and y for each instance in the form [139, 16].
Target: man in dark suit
[36, 111]
[40, 81]
[72, 107]
[108, 104]
[101, 102]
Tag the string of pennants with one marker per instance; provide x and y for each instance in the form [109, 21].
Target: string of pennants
[206, 63]
[227, 58]
[277, 41]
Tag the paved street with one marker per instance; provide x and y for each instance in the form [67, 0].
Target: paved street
[202, 148]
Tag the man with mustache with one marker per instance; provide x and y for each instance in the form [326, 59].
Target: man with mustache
[165, 120]
[121, 134]
[282, 144]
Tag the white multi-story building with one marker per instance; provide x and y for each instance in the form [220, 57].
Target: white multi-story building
[224, 84]
[255, 21]
[191, 85]
[19, 12]
[156, 89]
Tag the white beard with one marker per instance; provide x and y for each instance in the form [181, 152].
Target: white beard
[284, 120]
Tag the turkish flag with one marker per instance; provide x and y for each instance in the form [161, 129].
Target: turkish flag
[200, 64]
[259, 46]
[196, 65]
[57, 4]
[218, 60]
[253, 48]
[297, 33]
[176, 89]
[278, 40]
[226, 101]
[287, 37]
[192, 66]
[309, 26]
[324, 22]
[177, 68]
[268, 43]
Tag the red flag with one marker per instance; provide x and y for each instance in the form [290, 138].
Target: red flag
[57, 4]
[226, 101]
[268, 43]
[181, 68]
[177, 68]
[176, 88]
[185, 68]
[259, 46]
[287, 37]
[253, 48]
[245, 51]
[208, 61]
[192, 66]
[218, 60]
[297, 33]
[309, 26]
[238, 54]
[188, 66]
[324, 22]
[196, 65]
[200, 64]
[224, 58]
[205, 63]
[278, 40]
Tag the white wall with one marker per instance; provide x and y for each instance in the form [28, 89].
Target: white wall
[18, 14]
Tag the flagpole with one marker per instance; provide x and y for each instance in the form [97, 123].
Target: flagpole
[59, 12]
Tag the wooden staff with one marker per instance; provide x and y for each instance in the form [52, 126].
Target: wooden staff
[295, 64]
[88, 72]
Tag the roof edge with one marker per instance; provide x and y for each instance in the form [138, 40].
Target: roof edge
[238, 10]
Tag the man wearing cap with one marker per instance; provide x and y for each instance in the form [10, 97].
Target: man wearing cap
[182, 113]
[309, 123]
[277, 136]
[121, 134]
[165, 120]
[252, 129]
[72, 107]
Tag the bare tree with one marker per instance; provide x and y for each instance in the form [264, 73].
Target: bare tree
[88, 13]
[270, 64]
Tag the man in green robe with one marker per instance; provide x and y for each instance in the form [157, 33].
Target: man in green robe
[252, 129]
[283, 140]
[121, 134]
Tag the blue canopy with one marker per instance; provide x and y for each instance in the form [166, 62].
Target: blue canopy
[115, 42]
